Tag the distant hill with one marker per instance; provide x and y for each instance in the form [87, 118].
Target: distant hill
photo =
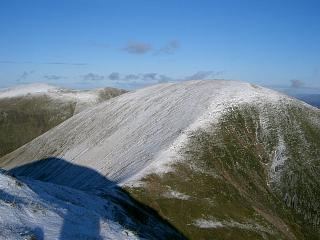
[27, 111]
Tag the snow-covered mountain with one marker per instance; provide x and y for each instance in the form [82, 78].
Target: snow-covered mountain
[123, 136]
[27, 111]
[217, 159]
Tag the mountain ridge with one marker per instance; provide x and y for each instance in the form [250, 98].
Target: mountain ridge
[201, 89]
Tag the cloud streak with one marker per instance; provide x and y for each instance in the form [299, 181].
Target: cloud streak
[170, 47]
[92, 77]
[116, 79]
[44, 63]
[7, 62]
[65, 63]
[143, 79]
[98, 45]
[54, 77]
[203, 75]
[151, 77]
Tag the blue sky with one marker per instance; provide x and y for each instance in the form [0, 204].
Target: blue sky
[130, 44]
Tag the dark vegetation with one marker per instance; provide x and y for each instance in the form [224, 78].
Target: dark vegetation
[25, 118]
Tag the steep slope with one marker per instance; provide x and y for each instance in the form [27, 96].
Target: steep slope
[31, 209]
[28, 111]
[218, 159]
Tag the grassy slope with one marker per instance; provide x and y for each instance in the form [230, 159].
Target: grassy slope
[24, 118]
[225, 173]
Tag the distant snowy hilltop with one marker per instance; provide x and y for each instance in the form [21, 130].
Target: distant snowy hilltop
[83, 98]
[208, 159]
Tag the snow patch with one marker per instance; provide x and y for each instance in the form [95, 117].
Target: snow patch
[203, 223]
[177, 195]
[278, 161]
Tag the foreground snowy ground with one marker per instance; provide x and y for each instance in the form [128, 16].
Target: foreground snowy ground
[32, 209]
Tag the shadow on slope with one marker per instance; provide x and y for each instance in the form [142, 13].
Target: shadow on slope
[133, 215]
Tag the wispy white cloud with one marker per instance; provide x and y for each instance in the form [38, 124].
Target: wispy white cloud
[138, 48]
[45, 63]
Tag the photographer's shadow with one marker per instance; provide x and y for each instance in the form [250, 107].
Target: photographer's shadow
[144, 221]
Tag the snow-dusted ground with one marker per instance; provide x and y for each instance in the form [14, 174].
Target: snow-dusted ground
[22, 90]
[203, 223]
[138, 132]
[30, 208]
